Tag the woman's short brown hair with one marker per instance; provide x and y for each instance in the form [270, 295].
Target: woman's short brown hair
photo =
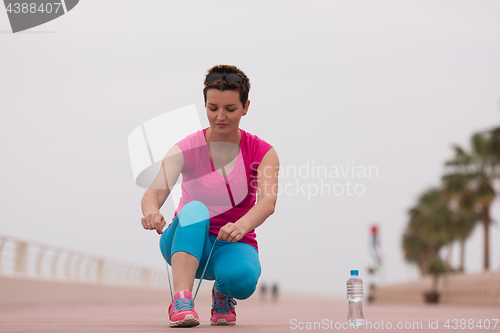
[222, 85]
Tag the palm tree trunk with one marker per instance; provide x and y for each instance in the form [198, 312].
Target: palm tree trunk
[449, 256]
[485, 217]
[462, 255]
[421, 266]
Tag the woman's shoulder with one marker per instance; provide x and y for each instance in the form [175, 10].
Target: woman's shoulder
[254, 146]
[253, 139]
[192, 140]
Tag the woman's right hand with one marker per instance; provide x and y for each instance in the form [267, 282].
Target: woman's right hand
[153, 221]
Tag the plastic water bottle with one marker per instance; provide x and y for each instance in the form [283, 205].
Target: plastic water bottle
[355, 295]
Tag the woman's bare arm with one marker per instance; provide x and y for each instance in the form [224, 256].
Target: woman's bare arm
[267, 193]
[160, 188]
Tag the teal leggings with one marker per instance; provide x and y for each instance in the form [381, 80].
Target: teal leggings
[235, 267]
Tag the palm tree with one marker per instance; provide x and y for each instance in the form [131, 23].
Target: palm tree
[430, 227]
[465, 224]
[455, 189]
[470, 178]
[494, 135]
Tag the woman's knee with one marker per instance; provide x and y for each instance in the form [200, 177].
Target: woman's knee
[194, 212]
[185, 233]
[239, 283]
[196, 206]
[165, 248]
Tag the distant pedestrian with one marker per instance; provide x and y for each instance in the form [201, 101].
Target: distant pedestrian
[275, 291]
[263, 291]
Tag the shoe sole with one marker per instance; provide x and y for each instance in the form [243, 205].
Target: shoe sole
[223, 322]
[188, 321]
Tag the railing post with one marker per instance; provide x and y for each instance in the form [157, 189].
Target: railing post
[144, 276]
[67, 266]
[78, 266]
[2, 243]
[55, 259]
[87, 271]
[39, 261]
[99, 270]
[20, 261]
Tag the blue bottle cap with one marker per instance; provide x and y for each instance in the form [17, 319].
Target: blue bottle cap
[354, 272]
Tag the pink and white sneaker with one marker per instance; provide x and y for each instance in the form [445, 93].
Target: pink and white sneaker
[181, 311]
[223, 312]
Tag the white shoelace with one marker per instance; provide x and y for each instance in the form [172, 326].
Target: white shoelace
[202, 274]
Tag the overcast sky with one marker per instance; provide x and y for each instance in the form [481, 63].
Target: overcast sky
[384, 84]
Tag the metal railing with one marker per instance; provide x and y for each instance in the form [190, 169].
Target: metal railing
[22, 258]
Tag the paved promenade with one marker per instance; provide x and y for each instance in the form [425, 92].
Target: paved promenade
[289, 314]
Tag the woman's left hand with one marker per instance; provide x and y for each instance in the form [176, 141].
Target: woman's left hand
[231, 232]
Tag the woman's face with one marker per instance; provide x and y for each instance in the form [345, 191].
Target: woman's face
[224, 111]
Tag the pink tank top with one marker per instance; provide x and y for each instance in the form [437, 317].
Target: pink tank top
[227, 198]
